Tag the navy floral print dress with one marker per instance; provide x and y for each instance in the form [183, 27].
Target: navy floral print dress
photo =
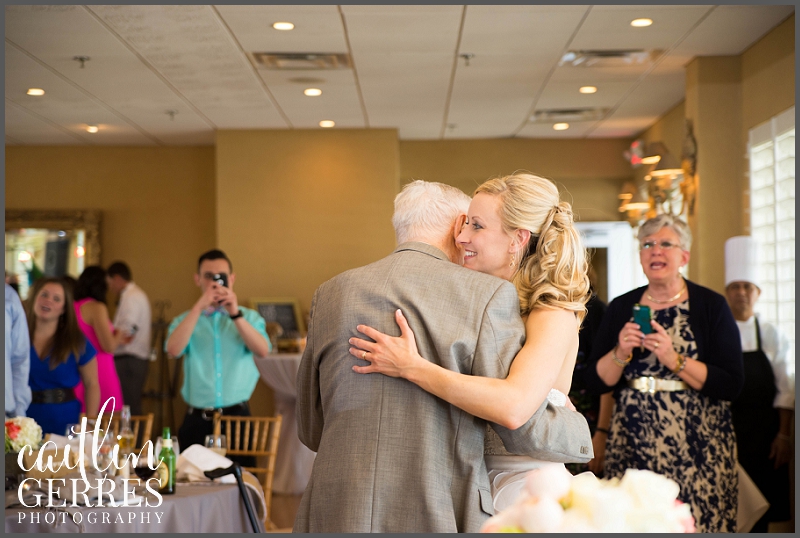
[684, 435]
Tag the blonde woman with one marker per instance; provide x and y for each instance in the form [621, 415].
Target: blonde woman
[518, 229]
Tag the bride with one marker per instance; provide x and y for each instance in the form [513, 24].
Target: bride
[518, 229]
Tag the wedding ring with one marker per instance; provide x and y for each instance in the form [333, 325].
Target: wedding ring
[625, 339]
[364, 356]
[656, 345]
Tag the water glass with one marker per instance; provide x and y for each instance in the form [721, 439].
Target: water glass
[217, 443]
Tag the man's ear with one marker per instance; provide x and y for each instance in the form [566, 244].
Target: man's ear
[458, 224]
[197, 279]
[231, 280]
[521, 239]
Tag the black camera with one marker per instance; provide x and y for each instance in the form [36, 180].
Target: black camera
[221, 279]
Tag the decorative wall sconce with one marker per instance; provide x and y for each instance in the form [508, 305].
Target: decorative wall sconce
[661, 191]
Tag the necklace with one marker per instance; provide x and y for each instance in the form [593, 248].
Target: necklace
[657, 301]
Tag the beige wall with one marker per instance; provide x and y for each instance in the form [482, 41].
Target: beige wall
[296, 208]
[157, 204]
[714, 104]
[768, 88]
[591, 171]
[669, 130]
[768, 75]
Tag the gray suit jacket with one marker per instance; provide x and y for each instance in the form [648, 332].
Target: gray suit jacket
[390, 456]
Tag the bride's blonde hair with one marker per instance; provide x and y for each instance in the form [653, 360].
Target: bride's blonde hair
[552, 272]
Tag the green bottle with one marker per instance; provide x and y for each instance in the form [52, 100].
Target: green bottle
[166, 469]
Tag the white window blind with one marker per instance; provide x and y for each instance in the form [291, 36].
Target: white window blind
[772, 179]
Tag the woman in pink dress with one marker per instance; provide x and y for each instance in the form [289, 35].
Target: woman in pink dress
[94, 321]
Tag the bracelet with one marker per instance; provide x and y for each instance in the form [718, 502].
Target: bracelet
[681, 364]
[238, 314]
[619, 362]
[605, 431]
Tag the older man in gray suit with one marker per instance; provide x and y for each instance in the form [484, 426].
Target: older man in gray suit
[390, 456]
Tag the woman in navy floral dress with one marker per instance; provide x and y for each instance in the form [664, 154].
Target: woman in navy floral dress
[673, 386]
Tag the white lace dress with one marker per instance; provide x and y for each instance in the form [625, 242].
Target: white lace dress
[507, 471]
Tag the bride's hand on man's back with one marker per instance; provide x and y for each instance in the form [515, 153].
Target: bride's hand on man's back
[388, 355]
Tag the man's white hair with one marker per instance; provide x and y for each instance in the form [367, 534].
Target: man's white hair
[426, 211]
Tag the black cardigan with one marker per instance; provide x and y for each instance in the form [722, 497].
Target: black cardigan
[716, 334]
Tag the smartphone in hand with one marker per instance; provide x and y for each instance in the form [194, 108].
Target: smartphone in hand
[642, 316]
[221, 279]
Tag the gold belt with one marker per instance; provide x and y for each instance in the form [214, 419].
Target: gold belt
[655, 384]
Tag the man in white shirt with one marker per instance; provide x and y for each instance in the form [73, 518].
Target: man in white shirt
[764, 412]
[18, 356]
[133, 317]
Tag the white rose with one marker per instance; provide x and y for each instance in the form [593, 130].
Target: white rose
[550, 480]
[649, 490]
[542, 514]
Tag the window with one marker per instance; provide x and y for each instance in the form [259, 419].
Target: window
[771, 152]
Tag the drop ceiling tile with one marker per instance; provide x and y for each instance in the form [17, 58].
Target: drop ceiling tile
[654, 97]
[545, 130]
[562, 95]
[316, 28]
[608, 27]
[339, 99]
[191, 47]
[405, 87]
[623, 127]
[63, 103]
[730, 30]
[30, 129]
[407, 30]
[519, 30]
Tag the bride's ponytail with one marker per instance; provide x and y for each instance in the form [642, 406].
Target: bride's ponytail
[552, 272]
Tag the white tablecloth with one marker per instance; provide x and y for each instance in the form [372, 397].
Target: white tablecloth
[294, 461]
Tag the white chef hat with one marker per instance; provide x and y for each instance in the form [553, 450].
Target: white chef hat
[741, 253]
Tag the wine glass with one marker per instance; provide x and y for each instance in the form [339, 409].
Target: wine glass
[105, 459]
[217, 443]
[176, 448]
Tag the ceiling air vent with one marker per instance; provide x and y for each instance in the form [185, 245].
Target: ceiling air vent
[608, 58]
[568, 115]
[294, 61]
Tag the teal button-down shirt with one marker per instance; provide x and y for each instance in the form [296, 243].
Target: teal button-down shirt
[218, 368]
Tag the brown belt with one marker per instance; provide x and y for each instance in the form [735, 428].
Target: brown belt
[52, 396]
[655, 384]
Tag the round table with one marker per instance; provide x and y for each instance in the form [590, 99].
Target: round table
[294, 461]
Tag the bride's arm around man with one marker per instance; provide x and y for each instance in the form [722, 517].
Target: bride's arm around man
[390, 456]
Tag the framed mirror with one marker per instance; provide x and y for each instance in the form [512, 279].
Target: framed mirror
[49, 242]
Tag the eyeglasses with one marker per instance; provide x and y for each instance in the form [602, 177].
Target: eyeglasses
[665, 245]
[210, 276]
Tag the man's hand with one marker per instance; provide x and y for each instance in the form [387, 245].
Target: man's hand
[227, 298]
[208, 299]
[781, 450]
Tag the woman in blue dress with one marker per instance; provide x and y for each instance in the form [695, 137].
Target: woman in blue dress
[60, 358]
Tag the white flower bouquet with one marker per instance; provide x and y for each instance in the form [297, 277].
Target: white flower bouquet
[555, 501]
[22, 431]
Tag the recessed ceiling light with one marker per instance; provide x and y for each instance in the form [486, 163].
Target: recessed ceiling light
[283, 26]
[588, 89]
[312, 92]
[641, 23]
[35, 91]
[327, 123]
[652, 159]
[561, 126]
[92, 128]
